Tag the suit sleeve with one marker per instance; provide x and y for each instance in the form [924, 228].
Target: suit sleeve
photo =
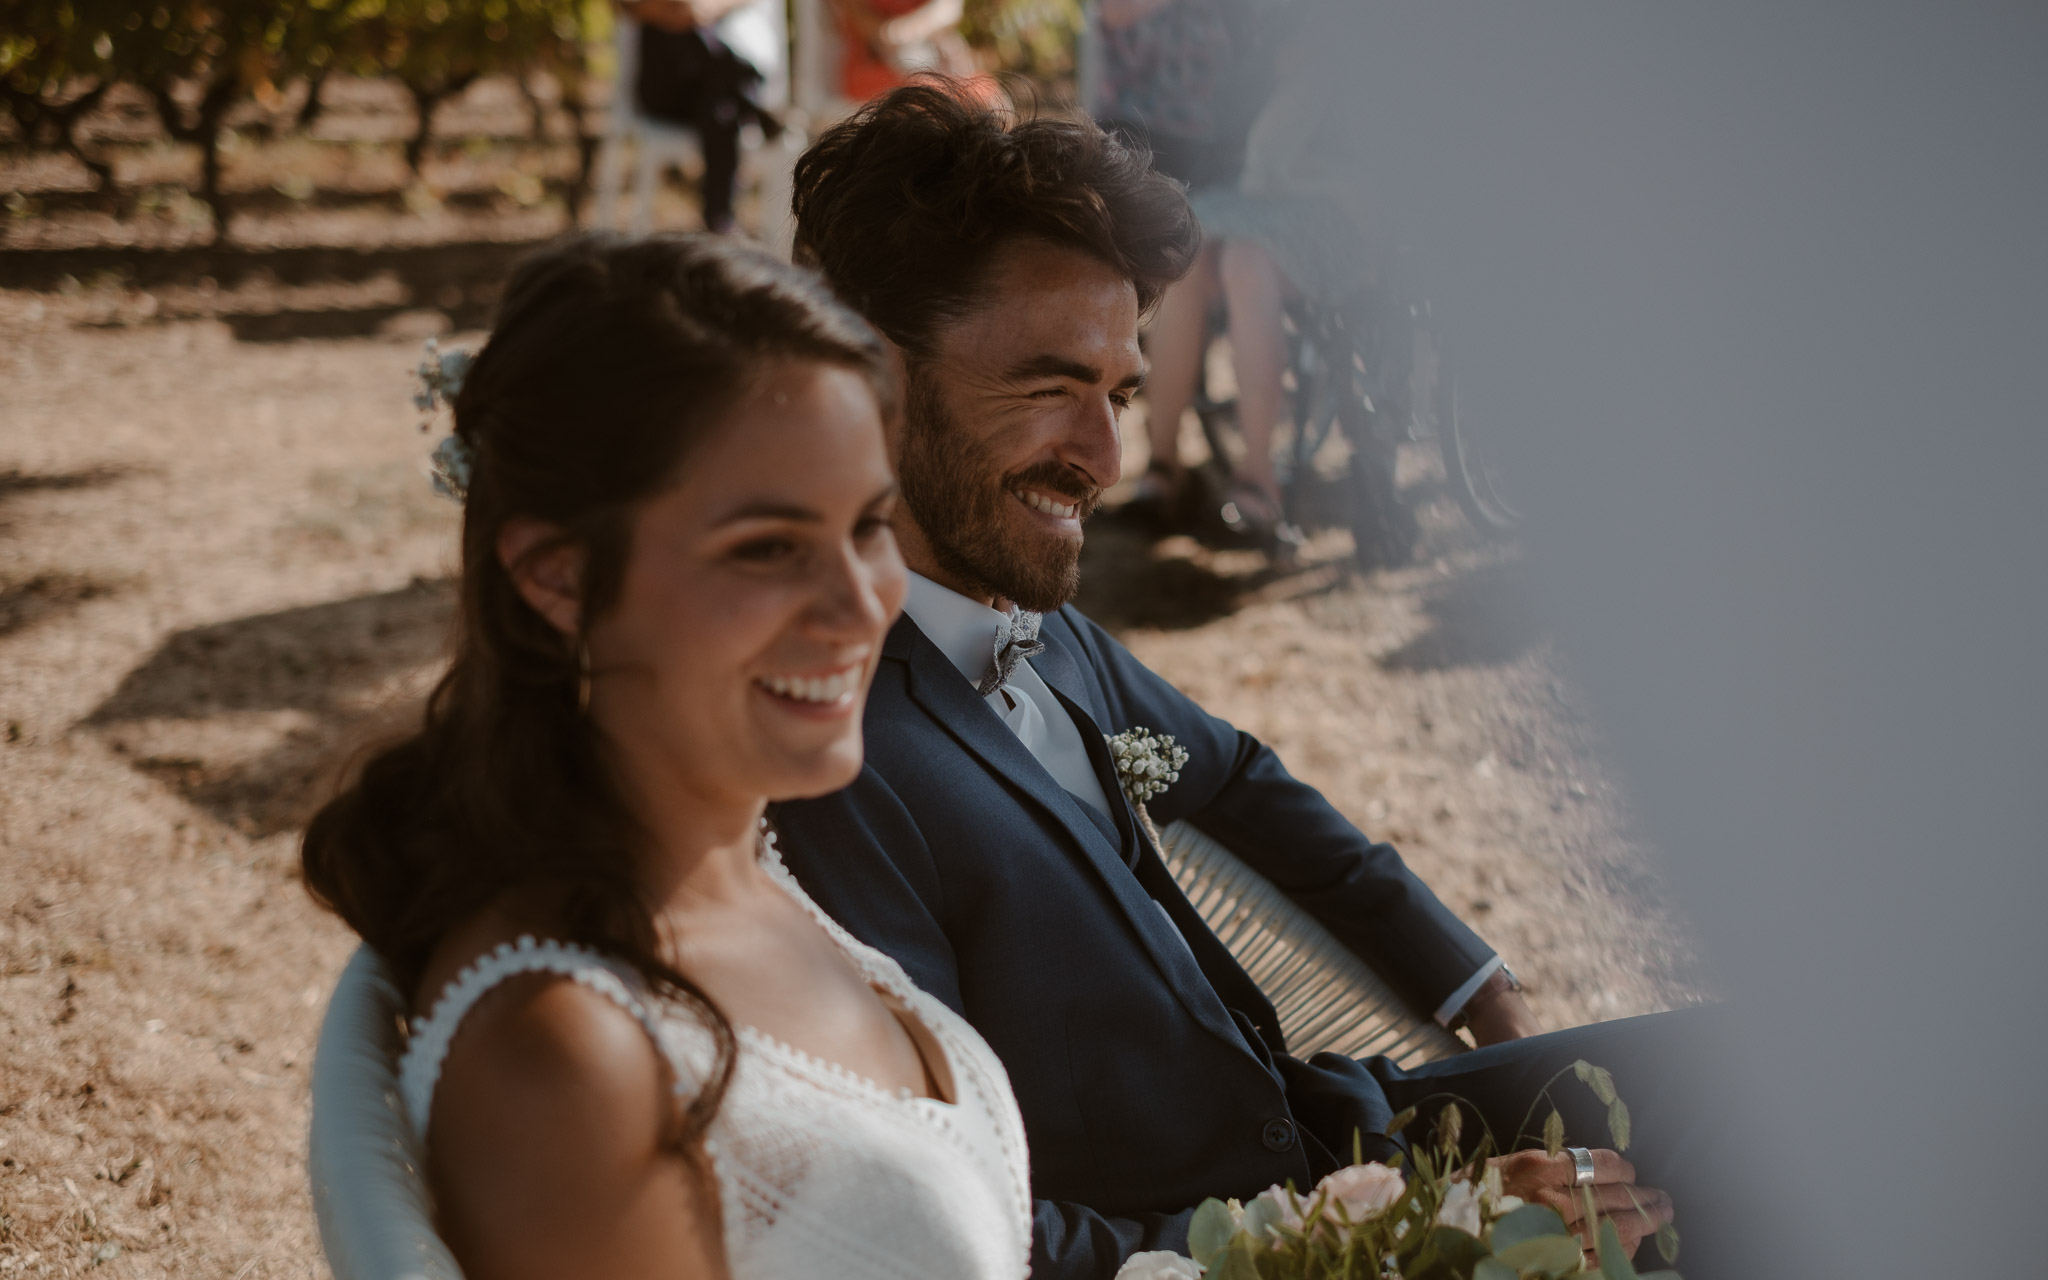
[884, 886]
[1234, 788]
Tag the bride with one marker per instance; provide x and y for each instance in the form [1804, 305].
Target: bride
[638, 1049]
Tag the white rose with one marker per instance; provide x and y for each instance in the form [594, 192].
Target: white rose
[1286, 1206]
[1365, 1190]
[1460, 1208]
[1159, 1265]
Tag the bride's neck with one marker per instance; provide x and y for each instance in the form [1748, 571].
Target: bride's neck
[700, 848]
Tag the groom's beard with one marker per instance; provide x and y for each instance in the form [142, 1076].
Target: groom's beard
[962, 502]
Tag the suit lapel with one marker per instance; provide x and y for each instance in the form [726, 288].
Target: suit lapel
[937, 687]
[1063, 675]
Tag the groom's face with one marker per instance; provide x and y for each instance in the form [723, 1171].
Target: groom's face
[1009, 433]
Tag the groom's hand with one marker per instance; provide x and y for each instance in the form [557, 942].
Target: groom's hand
[1497, 1012]
[1542, 1179]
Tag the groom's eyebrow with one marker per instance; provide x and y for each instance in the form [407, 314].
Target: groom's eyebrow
[1058, 366]
[1053, 366]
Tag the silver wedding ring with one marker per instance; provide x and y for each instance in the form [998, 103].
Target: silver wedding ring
[1582, 1166]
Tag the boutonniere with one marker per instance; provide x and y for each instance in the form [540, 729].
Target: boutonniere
[1146, 764]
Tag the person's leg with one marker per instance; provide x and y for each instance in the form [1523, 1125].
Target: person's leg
[1253, 286]
[1177, 344]
[721, 142]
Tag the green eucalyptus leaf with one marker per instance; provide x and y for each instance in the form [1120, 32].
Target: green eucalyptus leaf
[1543, 1256]
[1445, 1253]
[1210, 1231]
[1553, 1133]
[1597, 1079]
[1529, 1222]
[1614, 1263]
[1240, 1261]
[1493, 1269]
[1654, 1275]
[1617, 1124]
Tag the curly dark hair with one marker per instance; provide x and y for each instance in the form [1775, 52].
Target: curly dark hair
[903, 204]
[608, 362]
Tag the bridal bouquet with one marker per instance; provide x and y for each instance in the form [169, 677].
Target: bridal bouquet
[1447, 1218]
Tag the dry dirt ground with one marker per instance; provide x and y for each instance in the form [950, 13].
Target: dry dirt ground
[221, 567]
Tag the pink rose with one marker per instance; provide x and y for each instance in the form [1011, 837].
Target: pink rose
[1286, 1206]
[1365, 1190]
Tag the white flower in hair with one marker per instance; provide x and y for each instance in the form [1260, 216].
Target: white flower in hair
[441, 374]
[450, 465]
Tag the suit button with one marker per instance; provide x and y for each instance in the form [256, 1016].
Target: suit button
[1278, 1135]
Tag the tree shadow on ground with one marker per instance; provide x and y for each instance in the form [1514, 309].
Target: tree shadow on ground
[1481, 618]
[255, 720]
[46, 593]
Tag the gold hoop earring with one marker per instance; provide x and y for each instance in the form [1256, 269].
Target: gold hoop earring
[582, 678]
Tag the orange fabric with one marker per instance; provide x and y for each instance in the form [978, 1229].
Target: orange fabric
[863, 75]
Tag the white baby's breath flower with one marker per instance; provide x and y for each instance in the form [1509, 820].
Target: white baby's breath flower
[1159, 1265]
[1146, 762]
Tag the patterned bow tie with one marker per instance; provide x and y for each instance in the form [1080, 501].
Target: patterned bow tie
[1016, 640]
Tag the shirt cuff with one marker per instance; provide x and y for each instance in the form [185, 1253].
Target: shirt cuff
[1456, 1004]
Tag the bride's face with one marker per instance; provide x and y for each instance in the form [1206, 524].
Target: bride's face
[755, 597]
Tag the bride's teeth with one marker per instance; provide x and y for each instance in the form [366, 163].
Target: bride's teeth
[813, 688]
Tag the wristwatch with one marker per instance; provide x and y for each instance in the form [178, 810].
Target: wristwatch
[1500, 980]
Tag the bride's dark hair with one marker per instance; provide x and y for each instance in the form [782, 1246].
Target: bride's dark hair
[608, 361]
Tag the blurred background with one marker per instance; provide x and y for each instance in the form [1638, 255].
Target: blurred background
[1648, 540]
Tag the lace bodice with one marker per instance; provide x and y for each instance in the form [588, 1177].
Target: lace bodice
[819, 1171]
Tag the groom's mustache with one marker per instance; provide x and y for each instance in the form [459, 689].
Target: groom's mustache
[1056, 479]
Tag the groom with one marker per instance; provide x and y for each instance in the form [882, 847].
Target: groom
[986, 844]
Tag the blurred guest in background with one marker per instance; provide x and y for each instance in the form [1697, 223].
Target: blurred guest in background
[1186, 78]
[702, 67]
[884, 42]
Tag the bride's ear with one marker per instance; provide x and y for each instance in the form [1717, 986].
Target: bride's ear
[546, 570]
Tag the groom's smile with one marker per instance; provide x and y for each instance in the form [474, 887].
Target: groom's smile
[1010, 432]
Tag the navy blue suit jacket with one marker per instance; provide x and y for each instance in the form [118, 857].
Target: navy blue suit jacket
[1151, 1074]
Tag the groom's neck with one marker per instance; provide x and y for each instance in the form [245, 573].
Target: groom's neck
[920, 559]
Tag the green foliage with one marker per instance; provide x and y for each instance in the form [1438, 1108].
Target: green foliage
[1425, 1233]
[1037, 39]
[198, 59]
[1209, 1231]
[1614, 1263]
[1530, 1222]
[1667, 1243]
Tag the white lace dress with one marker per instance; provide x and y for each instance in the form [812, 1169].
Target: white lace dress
[820, 1172]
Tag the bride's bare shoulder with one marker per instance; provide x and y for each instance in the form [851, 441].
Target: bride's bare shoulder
[546, 1142]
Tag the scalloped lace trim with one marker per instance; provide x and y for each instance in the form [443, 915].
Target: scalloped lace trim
[419, 1069]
